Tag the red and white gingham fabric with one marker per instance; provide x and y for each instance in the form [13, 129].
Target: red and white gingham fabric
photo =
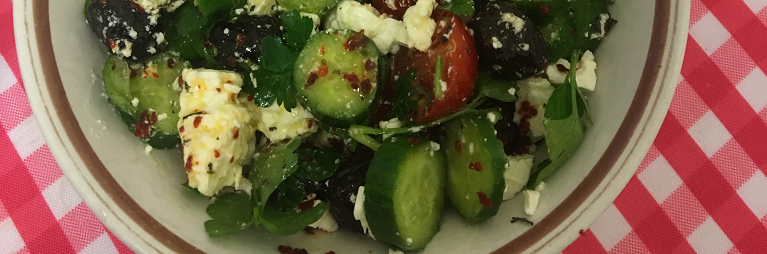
[702, 187]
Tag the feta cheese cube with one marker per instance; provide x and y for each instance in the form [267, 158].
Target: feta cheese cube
[279, 124]
[517, 174]
[532, 96]
[326, 223]
[531, 201]
[585, 75]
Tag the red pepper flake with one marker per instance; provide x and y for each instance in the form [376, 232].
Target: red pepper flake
[322, 50]
[476, 166]
[267, 149]
[231, 61]
[181, 129]
[112, 44]
[133, 73]
[527, 111]
[486, 202]
[414, 141]
[351, 77]
[370, 65]
[323, 70]
[251, 97]
[134, 5]
[286, 249]
[197, 121]
[216, 153]
[544, 10]
[236, 133]
[188, 164]
[231, 160]
[155, 75]
[171, 63]
[457, 145]
[306, 205]
[181, 82]
[366, 87]
[311, 79]
[356, 41]
[218, 89]
[240, 40]
[310, 123]
[233, 96]
[562, 68]
[309, 230]
[144, 124]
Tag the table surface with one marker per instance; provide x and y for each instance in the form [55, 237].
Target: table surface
[701, 188]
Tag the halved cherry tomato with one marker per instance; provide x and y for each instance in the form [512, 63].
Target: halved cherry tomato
[454, 43]
[395, 8]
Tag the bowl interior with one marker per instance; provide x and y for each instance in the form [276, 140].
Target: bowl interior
[153, 180]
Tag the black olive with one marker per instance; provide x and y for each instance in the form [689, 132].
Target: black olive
[507, 131]
[508, 43]
[240, 41]
[125, 28]
[343, 185]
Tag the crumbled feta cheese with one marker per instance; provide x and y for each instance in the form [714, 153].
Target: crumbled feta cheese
[147, 149]
[517, 173]
[512, 91]
[162, 116]
[492, 117]
[585, 74]
[326, 223]
[602, 22]
[134, 102]
[541, 186]
[496, 43]
[516, 22]
[123, 47]
[390, 124]
[359, 211]
[153, 7]
[260, 7]
[215, 127]
[414, 31]
[409, 241]
[536, 92]
[531, 201]
[279, 124]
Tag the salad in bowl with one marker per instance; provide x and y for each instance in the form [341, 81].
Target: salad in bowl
[371, 117]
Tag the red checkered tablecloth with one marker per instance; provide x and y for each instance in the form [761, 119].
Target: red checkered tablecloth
[701, 188]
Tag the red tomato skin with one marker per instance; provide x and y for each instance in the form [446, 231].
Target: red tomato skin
[459, 68]
[400, 7]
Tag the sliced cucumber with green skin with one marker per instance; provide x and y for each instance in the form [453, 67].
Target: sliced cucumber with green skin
[405, 192]
[476, 163]
[336, 76]
[147, 97]
[319, 7]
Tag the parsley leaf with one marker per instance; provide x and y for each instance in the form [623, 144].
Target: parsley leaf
[316, 164]
[230, 212]
[402, 102]
[218, 8]
[459, 7]
[495, 88]
[270, 169]
[273, 81]
[564, 123]
[290, 222]
[289, 194]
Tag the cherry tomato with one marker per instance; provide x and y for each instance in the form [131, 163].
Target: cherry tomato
[395, 8]
[453, 42]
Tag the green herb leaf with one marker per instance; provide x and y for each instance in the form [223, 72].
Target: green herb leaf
[402, 101]
[230, 212]
[291, 222]
[438, 93]
[459, 7]
[218, 8]
[270, 169]
[495, 88]
[184, 32]
[316, 164]
[289, 194]
[276, 56]
[298, 29]
[564, 124]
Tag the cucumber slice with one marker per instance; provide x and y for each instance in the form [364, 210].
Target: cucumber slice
[147, 94]
[405, 192]
[319, 7]
[336, 76]
[476, 164]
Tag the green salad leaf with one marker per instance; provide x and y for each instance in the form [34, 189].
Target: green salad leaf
[273, 81]
[316, 164]
[565, 124]
[459, 7]
[402, 102]
[270, 169]
[218, 8]
[289, 194]
[291, 222]
[495, 88]
[230, 212]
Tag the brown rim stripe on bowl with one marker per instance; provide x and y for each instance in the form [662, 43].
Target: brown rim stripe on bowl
[619, 143]
[118, 195]
[84, 150]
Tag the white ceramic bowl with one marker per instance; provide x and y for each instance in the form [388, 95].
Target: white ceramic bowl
[139, 196]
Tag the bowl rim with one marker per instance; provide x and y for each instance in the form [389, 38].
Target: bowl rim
[130, 222]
